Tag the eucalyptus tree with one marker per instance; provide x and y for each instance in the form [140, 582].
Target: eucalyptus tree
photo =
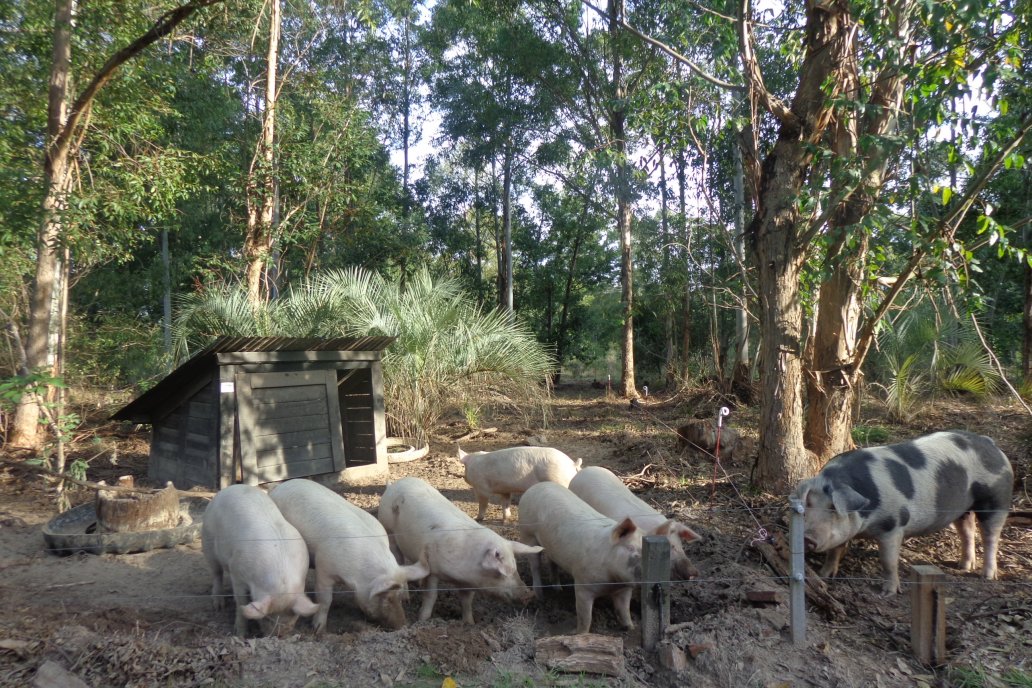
[489, 62]
[595, 53]
[860, 65]
[120, 38]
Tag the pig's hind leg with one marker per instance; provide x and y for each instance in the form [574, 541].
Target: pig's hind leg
[482, 501]
[991, 525]
[965, 526]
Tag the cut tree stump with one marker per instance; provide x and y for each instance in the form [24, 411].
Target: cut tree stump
[122, 512]
[584, 653]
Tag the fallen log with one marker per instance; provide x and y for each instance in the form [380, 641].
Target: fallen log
[777, 556]
[584, 653]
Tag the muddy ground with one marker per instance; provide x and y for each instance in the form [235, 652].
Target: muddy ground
[146, 619]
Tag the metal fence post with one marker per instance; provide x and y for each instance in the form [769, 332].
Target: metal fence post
[797, 585]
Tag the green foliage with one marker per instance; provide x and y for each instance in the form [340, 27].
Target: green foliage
[923, 353]
[448, 351]
[870, 435]
[979, 677]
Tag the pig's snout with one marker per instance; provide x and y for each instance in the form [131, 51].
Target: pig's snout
[810, 545]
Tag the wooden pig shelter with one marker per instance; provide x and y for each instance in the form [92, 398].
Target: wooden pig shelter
[265, 409]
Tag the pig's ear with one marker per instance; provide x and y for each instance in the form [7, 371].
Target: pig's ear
[519, 549]
[802, 490]
[578, 463]
[257, 609]
[384, 584]
[847, 500]
[623, 530]
[462, 455]
[684, 532]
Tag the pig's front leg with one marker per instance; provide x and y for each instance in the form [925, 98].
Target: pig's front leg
[888, 552]
[965, 526]
[832, 560]
[324, 596]
[429, 597]
[622, 607]
[585, 603]
[466, 599]
[218, 591]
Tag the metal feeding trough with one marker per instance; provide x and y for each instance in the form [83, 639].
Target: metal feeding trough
[76, 530]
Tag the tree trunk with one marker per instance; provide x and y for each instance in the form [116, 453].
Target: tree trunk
[775, 236]
[686, 293]
[62, 124]
[835, 366]
[618, 121]
[741, 374]
[261, 178]
[479, 237]
[669, 353]
[833, 377]
[561, 335]
[25, 427]
[507, 230]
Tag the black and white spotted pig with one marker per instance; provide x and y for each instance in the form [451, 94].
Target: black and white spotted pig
[911, 488]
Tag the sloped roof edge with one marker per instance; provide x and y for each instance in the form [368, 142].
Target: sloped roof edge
[139, 410]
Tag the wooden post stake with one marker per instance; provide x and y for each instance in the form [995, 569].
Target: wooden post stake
[797, 582]
[655, 589]
[928, 616]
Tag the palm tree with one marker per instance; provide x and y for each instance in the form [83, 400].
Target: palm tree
[449, 352]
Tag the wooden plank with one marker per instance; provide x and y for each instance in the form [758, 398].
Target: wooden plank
[280, 357]
[287, 439]
[200, 409]
[928, 615]
[292, 409]
[283, 426]
[230, 442]
[272, 395]
[286, 471]
[655, 589]
[280, 455]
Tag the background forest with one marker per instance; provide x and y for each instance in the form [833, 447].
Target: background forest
[794, 202]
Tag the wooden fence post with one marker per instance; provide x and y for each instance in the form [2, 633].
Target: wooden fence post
[928, 615]
[655, 589]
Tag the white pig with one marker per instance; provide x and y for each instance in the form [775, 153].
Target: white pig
[245, 536]
[602, 555]
[508, 472]
[350, 547]
[608, 495]
[460, 551]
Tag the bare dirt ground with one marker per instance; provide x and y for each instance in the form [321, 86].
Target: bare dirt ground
[146, 619]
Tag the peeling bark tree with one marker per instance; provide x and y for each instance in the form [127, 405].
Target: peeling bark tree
[617, 125]
[776, 237]
[261, 178]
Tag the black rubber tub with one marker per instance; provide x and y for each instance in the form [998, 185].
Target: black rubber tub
[75, 531]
